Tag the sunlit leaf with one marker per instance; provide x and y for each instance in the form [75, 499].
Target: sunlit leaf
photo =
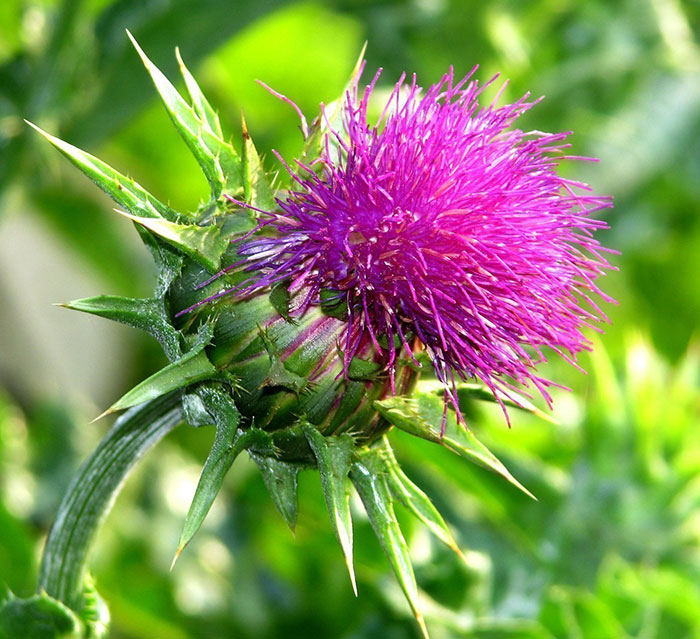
[424, 415]
[414, 499]
[257, 188]
[121, 189]
[217, 158]
[200, 104]
[333, 456]
[228, 444]
[368, 477]
[204, 244]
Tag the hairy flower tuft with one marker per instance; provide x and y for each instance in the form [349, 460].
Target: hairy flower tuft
[441, 227]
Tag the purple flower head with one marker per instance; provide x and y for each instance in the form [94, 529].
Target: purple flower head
[442, 227]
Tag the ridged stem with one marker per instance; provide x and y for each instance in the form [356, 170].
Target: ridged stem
[92, 492]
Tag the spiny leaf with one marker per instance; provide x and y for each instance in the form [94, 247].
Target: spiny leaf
[479, 392]
[218, 159]
[257, 189]
[123, 190]
[369, 479]
[145, 314]
[333, 458]
[414, 499]
[204, 244]
[422, 415]
[193, 366]
[280, 477]
[228, 443]
[200, 104]
[279, 375]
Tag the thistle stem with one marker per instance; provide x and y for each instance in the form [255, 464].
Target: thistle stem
[92, 492]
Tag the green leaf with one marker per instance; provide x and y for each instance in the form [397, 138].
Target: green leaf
[218, 159]
[199, 28]
[414, 499]
[280, 477]
[279, 374]
[228, 444]
[193, 366]
[121, 189]
[38, 617]
[204, 244]
[466, 392]
[422, 415]
[369, 478]
[257, 188]
[333, 458]
[145, 314]
[200, 104]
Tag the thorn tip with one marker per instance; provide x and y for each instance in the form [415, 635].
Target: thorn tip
[178, 552]
[109, 411]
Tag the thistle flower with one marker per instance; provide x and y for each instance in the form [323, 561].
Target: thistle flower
[442, 225]
[295, 321]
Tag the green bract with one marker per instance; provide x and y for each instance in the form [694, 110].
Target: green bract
[273, 387]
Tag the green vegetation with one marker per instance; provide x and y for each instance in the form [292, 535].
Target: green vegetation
[611, 549]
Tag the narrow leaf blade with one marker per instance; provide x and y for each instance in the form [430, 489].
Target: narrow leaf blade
[144, 314]
[190, 368]
[218, 159]
[333, 456]
[200, 104]
[422, 415]
[415, 500]
[256, 186]
[123, 190]
[369, 479]
[228, 443]
[280, 477]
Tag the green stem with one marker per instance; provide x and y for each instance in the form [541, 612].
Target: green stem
[93, 491]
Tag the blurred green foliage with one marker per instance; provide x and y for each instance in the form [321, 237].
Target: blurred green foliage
[612, 547]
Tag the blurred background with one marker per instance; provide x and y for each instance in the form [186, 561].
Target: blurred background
[611, 549]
